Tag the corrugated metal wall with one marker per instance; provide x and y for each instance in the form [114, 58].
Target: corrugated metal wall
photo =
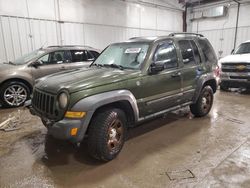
[31, 24]
[221, 31]
[19, 36]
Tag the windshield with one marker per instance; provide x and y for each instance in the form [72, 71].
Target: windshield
[244, 48]
[123, 55]
[26, 58]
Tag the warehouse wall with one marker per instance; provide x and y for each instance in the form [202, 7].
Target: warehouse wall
[26, 25]
[221, 31]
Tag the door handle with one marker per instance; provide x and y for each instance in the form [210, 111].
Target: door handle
[200, 69]
[63, 68]
[176, 74]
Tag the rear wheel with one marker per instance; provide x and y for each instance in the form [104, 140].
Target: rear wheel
[14, 94]
[106, 134]
[204, 103]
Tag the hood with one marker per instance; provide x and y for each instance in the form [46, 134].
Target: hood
[84, 78]
[7, 68]
[236, 58]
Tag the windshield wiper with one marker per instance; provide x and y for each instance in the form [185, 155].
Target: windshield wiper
[10, 62]
[97, 65]
[110, 65]
[114, 66]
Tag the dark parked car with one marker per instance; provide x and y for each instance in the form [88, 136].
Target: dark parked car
[18, 77]
[128, 83]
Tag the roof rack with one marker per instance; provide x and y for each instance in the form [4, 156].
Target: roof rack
[184, 33]
[133, 38]
[62, 46]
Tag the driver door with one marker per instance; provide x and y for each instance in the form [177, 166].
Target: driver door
[163, 88]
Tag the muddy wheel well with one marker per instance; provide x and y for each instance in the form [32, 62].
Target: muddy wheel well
[212, 84]
[19, 80]
[124, 106]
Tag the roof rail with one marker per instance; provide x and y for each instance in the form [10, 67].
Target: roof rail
[61, 46]
[132, 38]
[184, 33]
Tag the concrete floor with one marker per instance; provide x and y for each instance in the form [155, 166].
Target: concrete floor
[174, 151]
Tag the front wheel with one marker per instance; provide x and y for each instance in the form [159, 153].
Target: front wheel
[204, 103]
[14, 94]
[106, 134]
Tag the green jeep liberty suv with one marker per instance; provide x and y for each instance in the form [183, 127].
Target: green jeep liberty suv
[128, 83]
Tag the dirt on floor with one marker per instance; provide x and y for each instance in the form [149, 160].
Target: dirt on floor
[26, 125]
[176, 150]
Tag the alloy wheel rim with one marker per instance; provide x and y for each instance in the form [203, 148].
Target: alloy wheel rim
[115, 134]
[15, 95]
[206, 101]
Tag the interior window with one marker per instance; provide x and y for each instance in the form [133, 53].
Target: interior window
[166, 54]
[187, 52]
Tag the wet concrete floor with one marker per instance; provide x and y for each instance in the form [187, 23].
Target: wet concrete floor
[174, 151]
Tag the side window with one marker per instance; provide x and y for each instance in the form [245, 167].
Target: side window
[56, 57]
[94, 53]
[79, 55]
[197, 56]
[44, 59]
[67, 57]
[207, 50]
[166, 53]
[90, 57]
[187, 52]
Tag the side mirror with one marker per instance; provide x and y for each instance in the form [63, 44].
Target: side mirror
[36, 64]
[156, 67]
[232, 51]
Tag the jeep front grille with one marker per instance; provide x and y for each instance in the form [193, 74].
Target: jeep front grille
[235, 67]
[44, 104]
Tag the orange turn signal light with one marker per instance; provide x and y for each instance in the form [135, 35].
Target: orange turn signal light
[71, 114]
[73, 131]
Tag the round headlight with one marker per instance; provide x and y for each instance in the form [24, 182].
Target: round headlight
[63, 100]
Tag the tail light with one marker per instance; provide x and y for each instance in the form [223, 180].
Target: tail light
[217, 71]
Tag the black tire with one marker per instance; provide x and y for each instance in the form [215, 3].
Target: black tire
[204, 103]
[103, 142]
[20, 98]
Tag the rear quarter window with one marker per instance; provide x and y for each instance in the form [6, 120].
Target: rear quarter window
[207, 51]
[78, 55]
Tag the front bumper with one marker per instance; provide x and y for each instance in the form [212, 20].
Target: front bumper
[235, 80]
[62, 129]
